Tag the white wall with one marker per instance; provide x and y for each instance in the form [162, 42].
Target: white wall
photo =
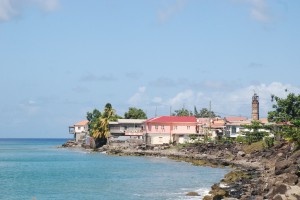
[160, 139]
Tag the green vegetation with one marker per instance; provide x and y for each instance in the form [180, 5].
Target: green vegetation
[286, 109]
[269, 141]
[135, 113]
[98, 125]
[255, 132]
[204, 113]
[93, 118]
[182, 112]
[256, 146]
[287, 112]
[240, 139]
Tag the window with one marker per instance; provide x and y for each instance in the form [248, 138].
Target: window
[188, 127]
[162, 127]
[156, 126]
[233, 129]
[175, 127]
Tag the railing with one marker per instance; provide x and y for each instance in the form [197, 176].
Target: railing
[133, 132]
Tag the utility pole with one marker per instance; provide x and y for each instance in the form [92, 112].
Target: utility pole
[170, 110]
[209, 115]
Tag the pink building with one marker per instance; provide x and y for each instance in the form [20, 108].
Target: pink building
[166, 129]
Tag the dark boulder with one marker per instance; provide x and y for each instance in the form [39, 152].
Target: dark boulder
[282, 166]
[280, 189]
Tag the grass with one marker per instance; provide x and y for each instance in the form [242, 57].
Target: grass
[256, 146]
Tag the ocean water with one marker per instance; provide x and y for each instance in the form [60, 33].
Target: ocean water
[36, 169]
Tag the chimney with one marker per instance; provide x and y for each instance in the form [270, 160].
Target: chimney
[255, 107]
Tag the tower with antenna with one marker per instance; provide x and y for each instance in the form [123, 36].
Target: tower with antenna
[255, 107]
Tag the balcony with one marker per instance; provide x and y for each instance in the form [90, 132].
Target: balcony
[71, 130]
[134, 132]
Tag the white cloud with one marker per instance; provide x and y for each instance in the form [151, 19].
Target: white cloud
[137, 97]
[238, 102]
[170, 10]
[12, 8]
[7, 10]
[183, 98]
[259, 10]
[47, 5]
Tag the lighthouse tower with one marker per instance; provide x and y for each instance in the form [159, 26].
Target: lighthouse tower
[255, 107]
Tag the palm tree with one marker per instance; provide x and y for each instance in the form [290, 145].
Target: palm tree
[100, 128]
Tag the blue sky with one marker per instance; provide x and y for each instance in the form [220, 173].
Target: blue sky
[62, 58]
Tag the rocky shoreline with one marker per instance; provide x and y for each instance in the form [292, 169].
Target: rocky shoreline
[272, 173]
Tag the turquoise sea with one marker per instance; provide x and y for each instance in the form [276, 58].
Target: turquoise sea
[36, 169]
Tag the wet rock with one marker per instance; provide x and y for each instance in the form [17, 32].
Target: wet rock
[70, 143]
[192, 194]
[207, 197]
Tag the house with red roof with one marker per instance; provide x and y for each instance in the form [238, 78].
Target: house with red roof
[213, 128]
[80, 131]
[169, 129]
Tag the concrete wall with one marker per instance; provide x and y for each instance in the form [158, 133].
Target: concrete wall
[159, 139]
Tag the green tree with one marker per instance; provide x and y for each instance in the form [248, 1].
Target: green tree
[292, 132]
[100, 128]
[135, 113]
[204, 113]
[286, 109]
[255, 131]
[182, 112]
[93, 118]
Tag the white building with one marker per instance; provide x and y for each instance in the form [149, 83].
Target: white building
[234, 126]
[127, 128]
[80, 131]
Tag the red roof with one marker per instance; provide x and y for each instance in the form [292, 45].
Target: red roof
[174, 119]
[82, 123]
[235, 119]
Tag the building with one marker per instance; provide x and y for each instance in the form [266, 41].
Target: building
[80, 131]
[234, 126]
[212, 128]
[127, 127]
[169, 129]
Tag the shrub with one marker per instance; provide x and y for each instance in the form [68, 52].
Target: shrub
[241, 139]
[269, 141]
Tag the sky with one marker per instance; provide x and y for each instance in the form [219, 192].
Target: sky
[60, 59]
